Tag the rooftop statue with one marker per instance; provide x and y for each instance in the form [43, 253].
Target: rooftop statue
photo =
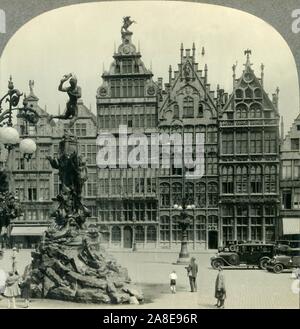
[126, 23]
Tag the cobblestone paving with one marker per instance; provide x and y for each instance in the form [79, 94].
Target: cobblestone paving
[246, 288]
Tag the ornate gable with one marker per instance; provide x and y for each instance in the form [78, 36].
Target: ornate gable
[249, 99]
[187, 95]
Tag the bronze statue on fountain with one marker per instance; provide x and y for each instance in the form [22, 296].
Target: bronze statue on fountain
[70, 264]
[71, 212]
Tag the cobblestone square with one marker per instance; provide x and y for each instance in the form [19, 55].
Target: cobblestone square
[246, 288]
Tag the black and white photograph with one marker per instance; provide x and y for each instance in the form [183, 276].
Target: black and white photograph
[149, 156]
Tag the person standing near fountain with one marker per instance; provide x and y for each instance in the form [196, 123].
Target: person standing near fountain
[12, 289]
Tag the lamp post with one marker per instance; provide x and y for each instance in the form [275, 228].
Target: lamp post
[9, 137]
[184, 223]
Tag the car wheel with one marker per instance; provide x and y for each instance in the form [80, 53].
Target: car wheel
[278, 268]
[263, 263]
[232, 247]
[216, 263]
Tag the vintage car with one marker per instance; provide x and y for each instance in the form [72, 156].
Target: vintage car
[249, 254]
[290, 260]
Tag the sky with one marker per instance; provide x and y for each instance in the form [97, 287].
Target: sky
[81, 38]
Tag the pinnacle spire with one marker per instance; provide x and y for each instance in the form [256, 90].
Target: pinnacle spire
[248, 52]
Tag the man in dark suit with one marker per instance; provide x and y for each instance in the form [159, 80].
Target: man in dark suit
[192, 273]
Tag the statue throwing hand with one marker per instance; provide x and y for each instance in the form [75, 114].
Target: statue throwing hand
[74, 93]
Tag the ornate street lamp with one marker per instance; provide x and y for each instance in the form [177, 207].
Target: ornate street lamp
[184, 223]
[9, 136]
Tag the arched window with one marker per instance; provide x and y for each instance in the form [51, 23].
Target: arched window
[248, 93]
[212, 194]
[115, 234]
[239, 93]
[165, 195]
[241, 111]
[255, 111]
[200, 111]
[188, 107]
[227, 180]
[189, 193]
[139, 234]
[201, 195]
[241, 179]
[176, 111]
[177, 193]
[257, 93]
[256, 179]
[164, 228]
[151, 234]
[270, 179]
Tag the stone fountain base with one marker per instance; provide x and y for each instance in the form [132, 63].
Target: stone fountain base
[79, 270]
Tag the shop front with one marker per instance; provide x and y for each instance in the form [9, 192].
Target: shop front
[27, 237]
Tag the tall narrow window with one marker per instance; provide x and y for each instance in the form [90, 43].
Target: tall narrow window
[127, 66]
[295, 144]
[165, 195]
[255, 111]
[176, 193]
[256, 179]
[201, 195]
[241, 142]
[227, 180]
[241, 111]
[189, 193]
[200, 111]
[188, 107]
[176, 111]
[270, 179]
[241, 179]
[255, 142]
[270, 142]
[212, 195]
[227, 143]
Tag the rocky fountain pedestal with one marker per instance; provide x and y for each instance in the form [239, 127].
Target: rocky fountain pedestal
[70, 263]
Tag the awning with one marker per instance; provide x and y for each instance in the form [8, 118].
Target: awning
[28, 230]
[291, 225]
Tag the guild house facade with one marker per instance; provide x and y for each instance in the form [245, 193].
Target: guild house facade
[236, 198]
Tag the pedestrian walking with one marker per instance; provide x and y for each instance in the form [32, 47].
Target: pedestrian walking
[26, 285]
[173, 278]
[14, 259]
[220, 290]
[12, 289]
[192, 271]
